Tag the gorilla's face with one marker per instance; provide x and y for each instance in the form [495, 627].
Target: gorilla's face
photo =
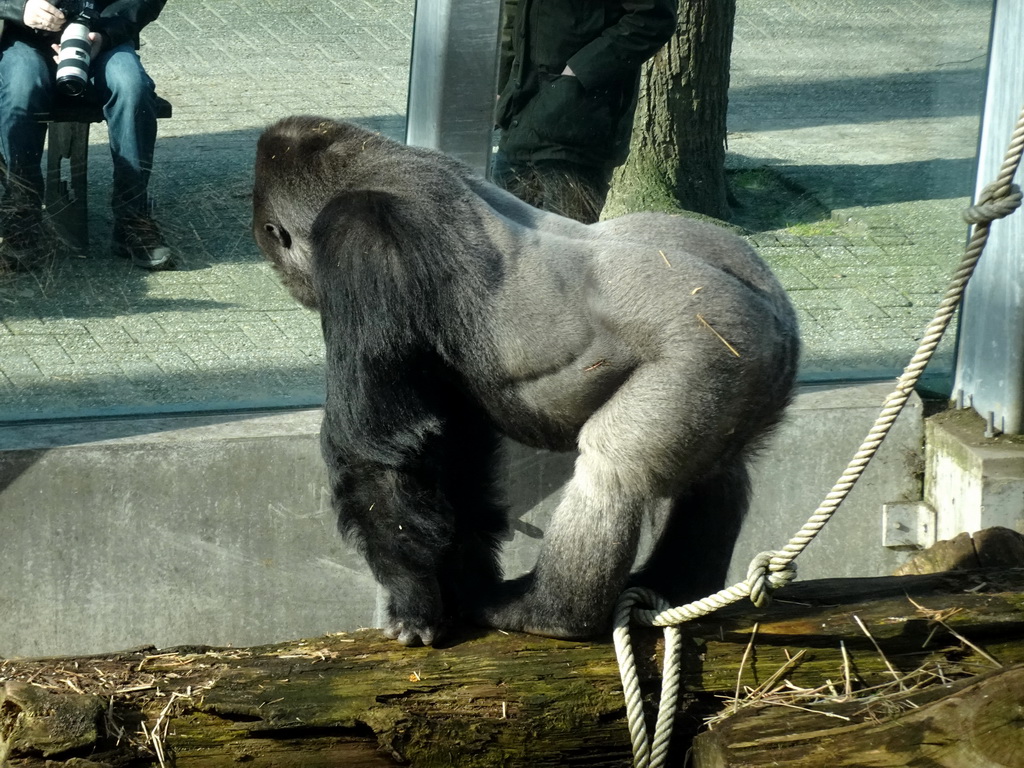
[288, 253]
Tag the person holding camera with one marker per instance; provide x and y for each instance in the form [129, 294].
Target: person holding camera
[101, 41]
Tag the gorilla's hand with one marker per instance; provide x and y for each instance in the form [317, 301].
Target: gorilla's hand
[409, 635]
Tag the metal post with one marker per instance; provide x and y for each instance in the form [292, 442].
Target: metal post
[453, 76]
[990, 351]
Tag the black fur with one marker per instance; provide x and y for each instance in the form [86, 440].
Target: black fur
[452, 313]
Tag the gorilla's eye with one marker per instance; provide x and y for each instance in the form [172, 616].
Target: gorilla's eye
[279, 233]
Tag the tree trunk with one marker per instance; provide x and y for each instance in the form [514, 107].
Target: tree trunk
[494, 699]
[677, 152]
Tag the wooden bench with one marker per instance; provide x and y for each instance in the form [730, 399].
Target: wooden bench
[66, 187]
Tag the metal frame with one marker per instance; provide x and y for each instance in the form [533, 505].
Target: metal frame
[990, 351]
[453, 76]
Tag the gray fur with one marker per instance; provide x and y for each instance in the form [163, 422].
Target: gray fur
[615, 338]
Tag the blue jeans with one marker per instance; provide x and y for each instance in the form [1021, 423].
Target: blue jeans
[128, 97]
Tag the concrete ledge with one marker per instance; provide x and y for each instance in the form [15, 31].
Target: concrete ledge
[972, 482]
[215, 529]
[176, 530]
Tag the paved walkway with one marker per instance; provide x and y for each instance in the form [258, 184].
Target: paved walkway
[863, 112]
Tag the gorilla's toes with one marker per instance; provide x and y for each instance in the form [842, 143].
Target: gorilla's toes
[411, 636]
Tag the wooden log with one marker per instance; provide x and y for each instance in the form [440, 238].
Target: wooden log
[976, 723]
[973, 723]
[490, 699]
[352, 700]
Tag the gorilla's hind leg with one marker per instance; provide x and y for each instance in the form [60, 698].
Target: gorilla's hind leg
[627, 463]
[691, 557]
[584, 563]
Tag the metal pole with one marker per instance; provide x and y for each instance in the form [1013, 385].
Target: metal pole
[990, 351]
[453, 77]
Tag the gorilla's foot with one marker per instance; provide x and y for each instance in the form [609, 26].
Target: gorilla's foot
[523, 605]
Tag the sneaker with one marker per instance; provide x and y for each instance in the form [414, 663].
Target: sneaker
[138, 238]
[25, 242]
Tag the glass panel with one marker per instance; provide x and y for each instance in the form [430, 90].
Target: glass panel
[853, 128]
[95, 335]
[853, 134]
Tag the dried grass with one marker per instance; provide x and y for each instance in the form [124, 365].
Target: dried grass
[127, 685]
[879, 701]
[145, 691]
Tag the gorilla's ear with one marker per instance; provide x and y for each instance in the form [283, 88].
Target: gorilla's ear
[366, 221]
[279, 233]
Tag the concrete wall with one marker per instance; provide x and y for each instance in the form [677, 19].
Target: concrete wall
[214, 529]
[184, 530]
[823, 430]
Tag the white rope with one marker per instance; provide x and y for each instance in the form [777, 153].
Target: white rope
[771, 570]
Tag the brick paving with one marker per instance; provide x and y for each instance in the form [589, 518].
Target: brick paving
[867, 109]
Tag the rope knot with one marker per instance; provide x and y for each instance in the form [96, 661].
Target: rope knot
[765, 575]
[638, 597]
[994, 202]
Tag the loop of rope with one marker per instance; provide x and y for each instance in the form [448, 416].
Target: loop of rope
[770, 570]
[631, 686]
[645, 754]
[994, 202]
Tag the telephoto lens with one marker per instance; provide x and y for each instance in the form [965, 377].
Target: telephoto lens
[75, 47]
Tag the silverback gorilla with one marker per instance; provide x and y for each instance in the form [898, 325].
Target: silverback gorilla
[660, 347]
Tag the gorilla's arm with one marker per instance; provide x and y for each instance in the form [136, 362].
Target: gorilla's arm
[390, 422]
[389, 502]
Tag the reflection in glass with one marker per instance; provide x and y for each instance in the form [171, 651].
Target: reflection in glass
[853, 130]
[93, 335]
[568, 84]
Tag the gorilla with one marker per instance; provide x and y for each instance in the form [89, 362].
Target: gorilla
[660, 347]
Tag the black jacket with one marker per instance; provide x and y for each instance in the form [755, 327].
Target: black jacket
[120, 21]
[583, 119]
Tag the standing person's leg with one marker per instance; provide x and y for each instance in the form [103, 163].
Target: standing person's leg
[128, 96]
[26, 89]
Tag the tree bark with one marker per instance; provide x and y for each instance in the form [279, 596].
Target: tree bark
[491, 699]
[677, 151]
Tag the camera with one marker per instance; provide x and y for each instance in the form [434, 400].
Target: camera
[75, 46]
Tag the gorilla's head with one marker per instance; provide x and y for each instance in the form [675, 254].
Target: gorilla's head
[298, 169]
